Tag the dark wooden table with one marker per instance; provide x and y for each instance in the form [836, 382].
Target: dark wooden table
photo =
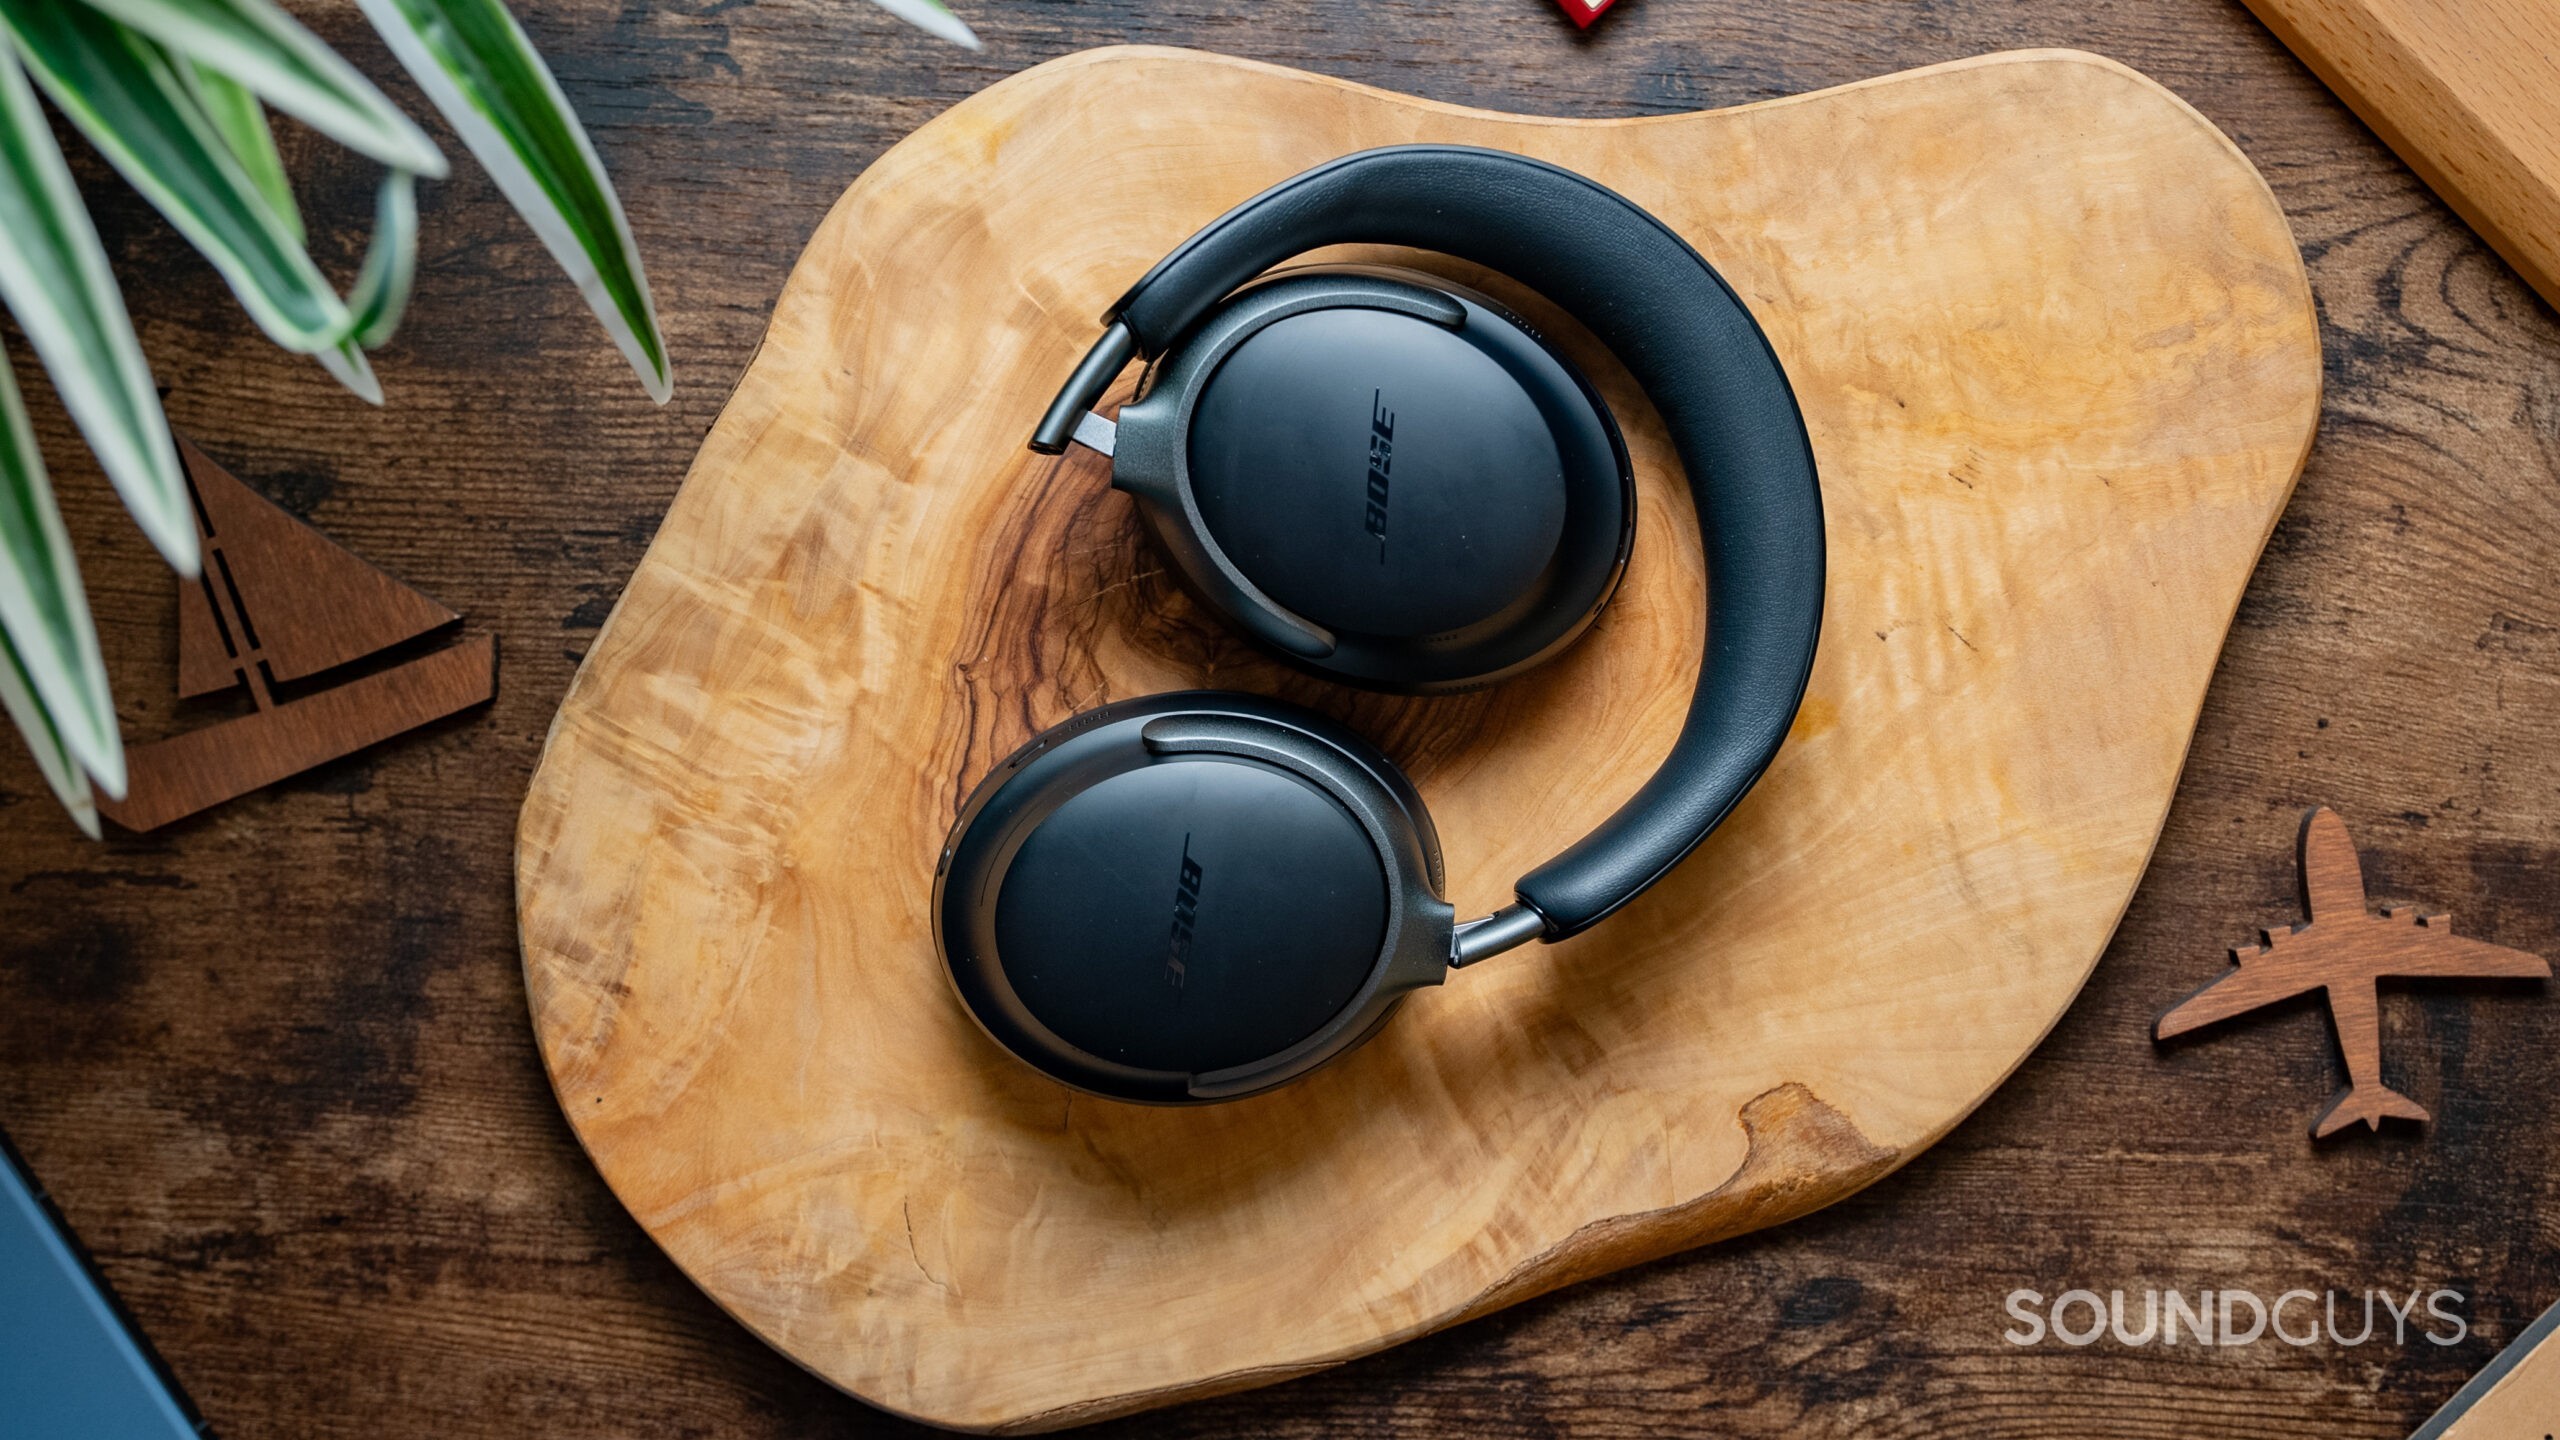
[275, 1064]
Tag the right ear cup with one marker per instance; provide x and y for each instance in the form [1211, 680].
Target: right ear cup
[1190, 897]
[1385, 478]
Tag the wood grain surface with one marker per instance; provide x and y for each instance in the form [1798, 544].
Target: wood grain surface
[274, 1061]
[2468, 93]
[2056, 355]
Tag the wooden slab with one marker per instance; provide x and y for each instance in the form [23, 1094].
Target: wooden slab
[2059, 362]
[2468, 93]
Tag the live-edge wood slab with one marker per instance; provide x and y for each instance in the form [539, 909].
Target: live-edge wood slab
[2060, 366]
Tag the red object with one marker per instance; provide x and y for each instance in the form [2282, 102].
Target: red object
[1585, 11]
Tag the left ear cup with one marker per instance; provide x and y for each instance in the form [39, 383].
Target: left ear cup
[1385, 478]
[1190, 897]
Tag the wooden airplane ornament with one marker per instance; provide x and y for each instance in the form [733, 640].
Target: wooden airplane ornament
[279, 603]
[2342, 949]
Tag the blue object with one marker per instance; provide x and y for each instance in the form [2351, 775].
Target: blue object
[72, 1365]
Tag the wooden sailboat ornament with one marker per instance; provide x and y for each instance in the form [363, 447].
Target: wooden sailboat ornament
[277, 605]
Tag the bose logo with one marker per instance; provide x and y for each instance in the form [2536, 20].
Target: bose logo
[1186, 910]
[1382, 436]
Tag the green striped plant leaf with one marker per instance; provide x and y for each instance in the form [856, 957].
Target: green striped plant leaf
[43, 610]
[54, 279]
[932, 17]
[270, 53]
[125, 93]
[381, 295]
[175, 93]
[382, 286]
[347, 364]
[241, 121]
[474, 62]
[69, 785]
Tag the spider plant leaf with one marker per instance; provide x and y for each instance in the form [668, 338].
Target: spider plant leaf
[69, 785]
[382, 286]
[43, 612]
[932, 17]
[390, 261]
[266, 50]
[55, 280]
[476, 65]
[125, 93]
[348, 366]
[241, 120]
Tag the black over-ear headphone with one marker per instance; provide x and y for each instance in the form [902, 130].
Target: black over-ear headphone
[1387, 479]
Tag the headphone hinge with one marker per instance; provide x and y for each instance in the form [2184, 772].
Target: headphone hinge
[1508, 928]
[1101, 365]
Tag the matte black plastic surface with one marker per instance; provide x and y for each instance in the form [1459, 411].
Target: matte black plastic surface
[1277, 906]
[1685, 337]
[1376, 472]
[1190, 897]
[1383, 477]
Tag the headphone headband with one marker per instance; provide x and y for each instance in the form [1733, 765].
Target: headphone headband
[1699, 356]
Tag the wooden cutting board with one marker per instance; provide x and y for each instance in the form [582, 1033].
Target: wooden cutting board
[2466, 91]
[2057, 354]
